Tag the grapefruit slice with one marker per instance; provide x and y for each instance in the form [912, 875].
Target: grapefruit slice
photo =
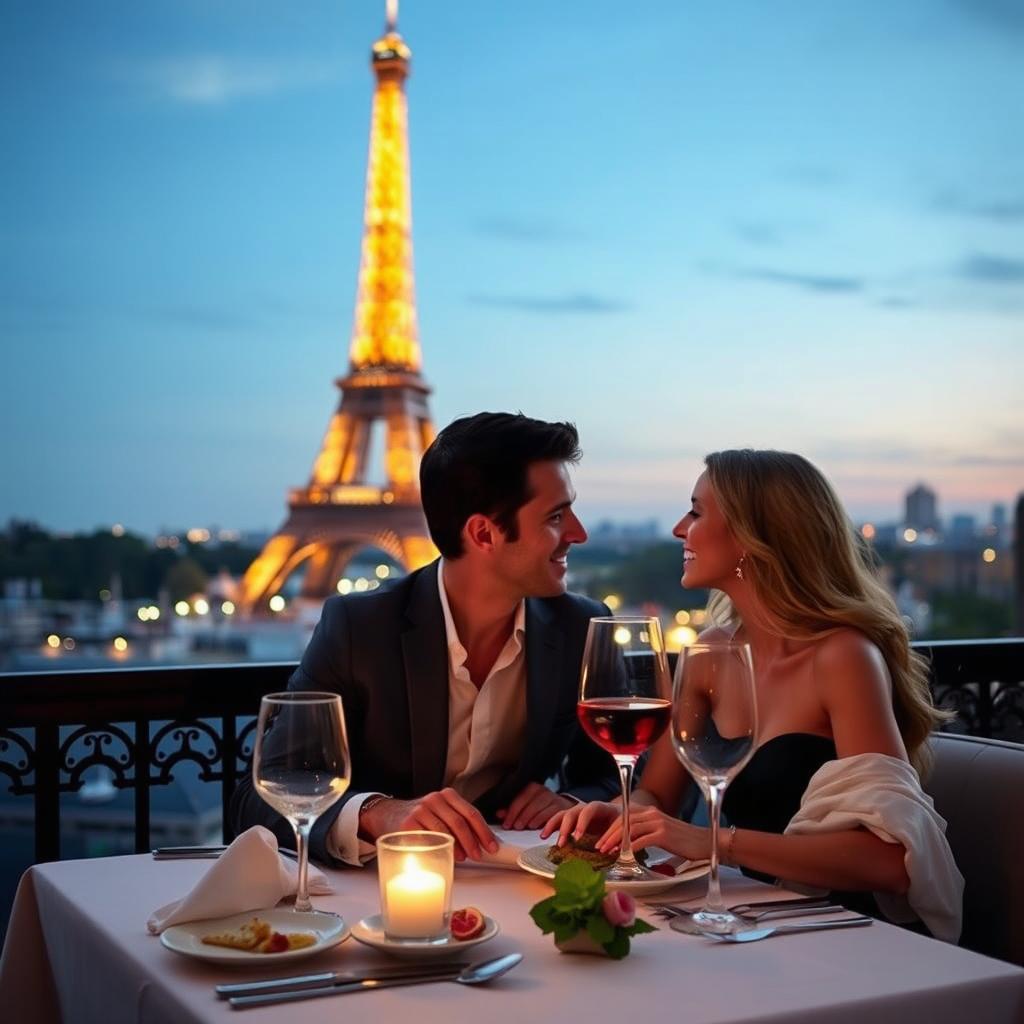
[466, 923]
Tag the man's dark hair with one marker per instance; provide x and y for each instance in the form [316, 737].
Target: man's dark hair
[479, 464]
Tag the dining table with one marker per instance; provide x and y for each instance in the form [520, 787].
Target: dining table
[78, 950]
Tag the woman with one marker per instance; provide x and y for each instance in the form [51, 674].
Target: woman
[835, 679]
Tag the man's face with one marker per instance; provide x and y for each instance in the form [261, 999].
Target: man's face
[534, 565]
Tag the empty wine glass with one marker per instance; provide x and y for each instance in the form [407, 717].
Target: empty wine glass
[714, 726]
[300, 765]
[624, 706]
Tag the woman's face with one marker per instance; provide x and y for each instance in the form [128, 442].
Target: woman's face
[710, 552]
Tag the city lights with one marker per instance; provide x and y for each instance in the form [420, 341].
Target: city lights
[181, 608]
[277, 603]
[867, 531]
[989, 554]
[53, 641]
[117, 530]
[69, 643]
[201, 606]
[344, 586]
[361, 585]
[227, 607]
[383, 572]
[681, 636]
[682, 617]
[910, 535]
[120, 644]
[613, 601]
[622, 636]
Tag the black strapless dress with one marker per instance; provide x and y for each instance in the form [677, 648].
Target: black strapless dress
[766, 795]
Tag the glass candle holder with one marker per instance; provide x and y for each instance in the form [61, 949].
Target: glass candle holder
[415, 870]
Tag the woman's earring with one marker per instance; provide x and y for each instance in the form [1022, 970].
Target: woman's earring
[739, 568]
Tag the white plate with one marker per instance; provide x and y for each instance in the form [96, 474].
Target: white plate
[370, 931]
[535, 860]
[187, 939]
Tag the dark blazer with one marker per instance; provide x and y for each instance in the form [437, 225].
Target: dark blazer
[386, 653]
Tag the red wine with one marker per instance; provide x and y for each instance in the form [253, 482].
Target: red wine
[624, 725]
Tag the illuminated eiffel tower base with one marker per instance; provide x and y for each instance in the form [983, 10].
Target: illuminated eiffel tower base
[339, 512]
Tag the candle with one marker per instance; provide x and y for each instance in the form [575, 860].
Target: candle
[415, 903]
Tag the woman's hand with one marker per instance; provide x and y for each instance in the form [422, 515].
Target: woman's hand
[579, 819]
[650, 827]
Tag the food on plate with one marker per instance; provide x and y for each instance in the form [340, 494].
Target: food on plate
[256, 936]
[248, 936]
[281, 942]
[466, 923]
[585, 848]
[666, 868]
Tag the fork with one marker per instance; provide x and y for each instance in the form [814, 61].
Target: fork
[744, 909]
[767, 914]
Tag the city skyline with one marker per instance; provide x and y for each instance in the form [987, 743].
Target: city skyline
[685, 230]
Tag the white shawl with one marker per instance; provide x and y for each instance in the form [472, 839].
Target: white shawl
[883, 794]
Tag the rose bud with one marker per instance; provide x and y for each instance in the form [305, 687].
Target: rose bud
[619, 909]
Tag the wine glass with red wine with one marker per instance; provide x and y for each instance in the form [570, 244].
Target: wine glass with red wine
[624, 706]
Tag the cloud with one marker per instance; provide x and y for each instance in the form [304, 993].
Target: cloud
[214, 80]
[898, 302]
[824, 283]
[1008, 210]
[532, 232]
[1002, 15]
[580, 302]
[989, 269]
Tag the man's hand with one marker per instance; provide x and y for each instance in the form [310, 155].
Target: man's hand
[444, 811]
[532, 806]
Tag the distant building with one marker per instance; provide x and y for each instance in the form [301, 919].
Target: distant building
[963, 530]
[921, 506]
[1018, 565]
[999, 524]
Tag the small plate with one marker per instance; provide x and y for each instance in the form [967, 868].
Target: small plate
[370, 931]
[187, 939]
[535, 860]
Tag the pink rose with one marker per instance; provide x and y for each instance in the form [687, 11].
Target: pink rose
[619, 909]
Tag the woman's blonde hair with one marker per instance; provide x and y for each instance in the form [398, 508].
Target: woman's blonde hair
[813, 573]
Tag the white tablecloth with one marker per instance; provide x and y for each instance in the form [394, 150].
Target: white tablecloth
[77, 950]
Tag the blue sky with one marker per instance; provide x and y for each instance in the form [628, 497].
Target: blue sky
[685, 226]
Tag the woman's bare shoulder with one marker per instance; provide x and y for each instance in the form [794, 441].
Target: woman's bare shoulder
[847, 654]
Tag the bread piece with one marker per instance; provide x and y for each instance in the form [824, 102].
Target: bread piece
[583, 849]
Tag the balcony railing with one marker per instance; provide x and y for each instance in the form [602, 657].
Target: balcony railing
[139, 725]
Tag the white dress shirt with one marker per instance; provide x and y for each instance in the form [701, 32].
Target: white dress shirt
[486, 727]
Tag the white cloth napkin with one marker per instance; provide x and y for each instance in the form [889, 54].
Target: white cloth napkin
[510, 845]
[249, 875]
[883, 794]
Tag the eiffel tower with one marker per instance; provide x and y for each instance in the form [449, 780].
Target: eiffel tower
[339, 511]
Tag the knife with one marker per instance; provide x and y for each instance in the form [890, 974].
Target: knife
[203, 852]
[299, 982]
[291, 995]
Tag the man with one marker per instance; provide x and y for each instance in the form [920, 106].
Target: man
[459, 682]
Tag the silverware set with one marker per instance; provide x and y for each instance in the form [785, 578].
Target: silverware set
[333, 983]
[757, 910]
[753, 913]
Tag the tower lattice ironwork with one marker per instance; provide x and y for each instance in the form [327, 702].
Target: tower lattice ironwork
[340, 511]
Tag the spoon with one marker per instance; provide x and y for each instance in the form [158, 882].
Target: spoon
[475, 974]
[756, 934]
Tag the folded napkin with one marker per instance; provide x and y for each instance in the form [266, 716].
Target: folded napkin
[249, 875]
[510, 844]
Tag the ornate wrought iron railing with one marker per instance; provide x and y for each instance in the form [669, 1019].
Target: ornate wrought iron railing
[140, 724]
